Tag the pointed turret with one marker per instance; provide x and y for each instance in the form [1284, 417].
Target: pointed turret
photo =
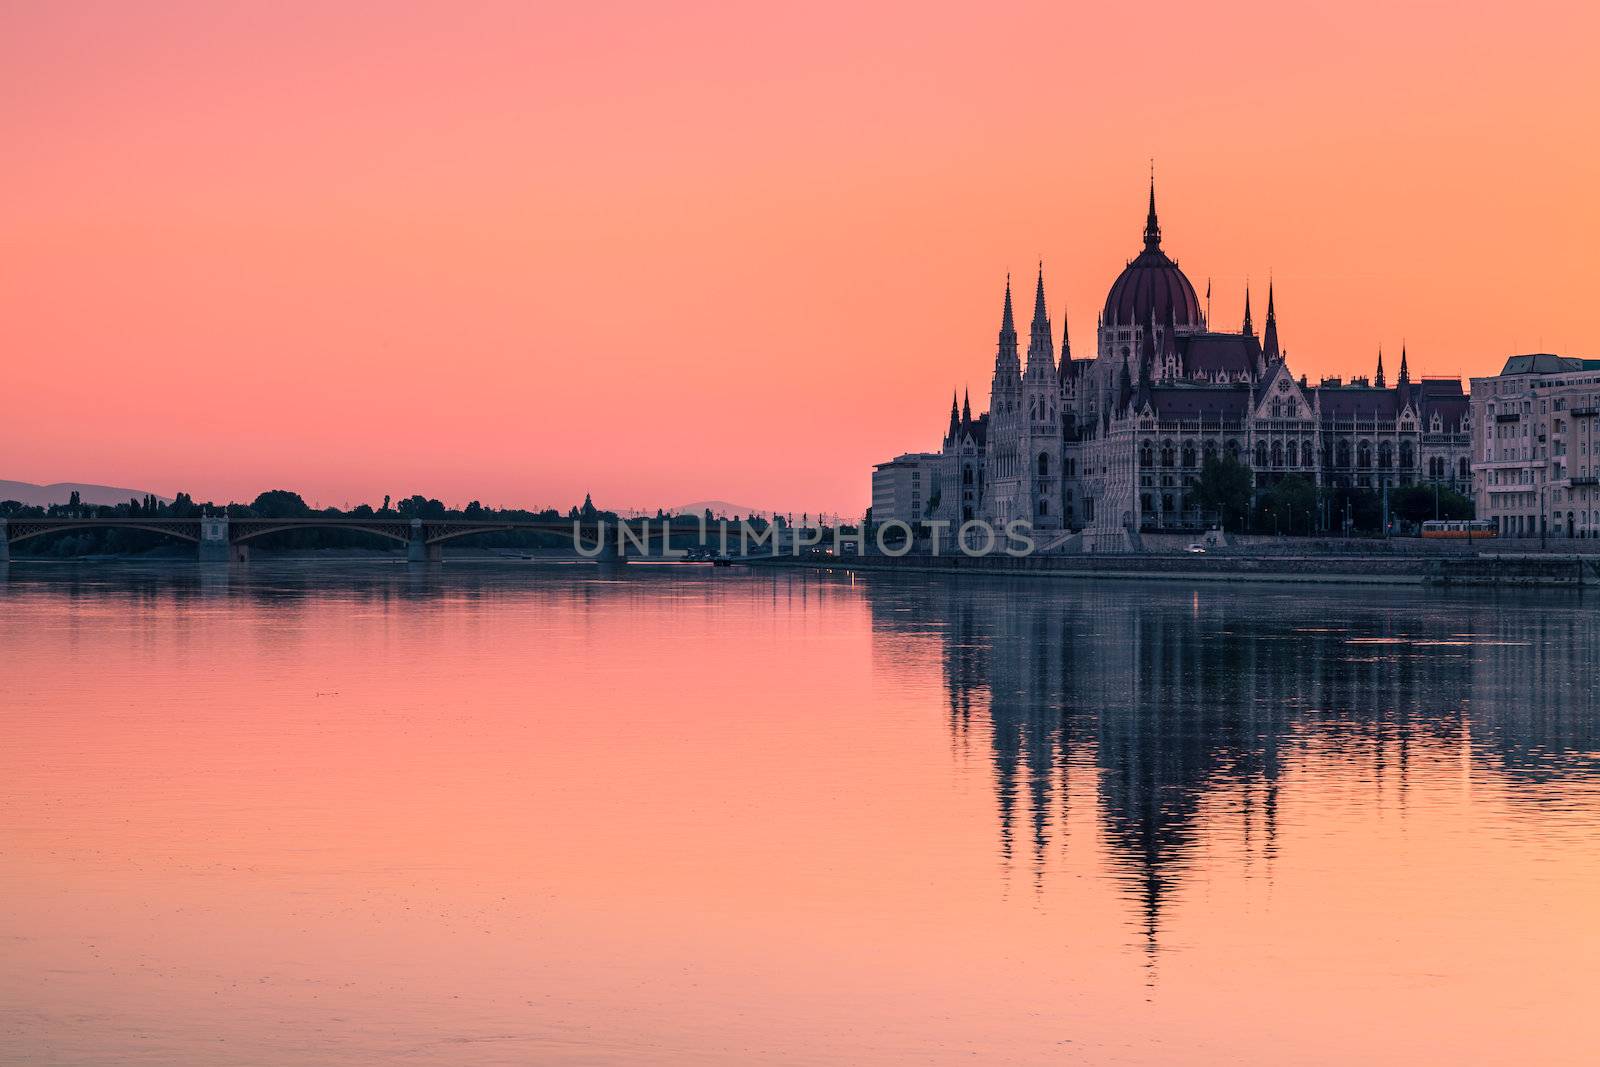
[1006, 351]
[1249, 327]
[1147, 347]
[954, 433]
[1269, 336]
[1378, 379]
[1041, 351]
[966, 408]
[1007, 368]
[1066, 347]
[1405, 373]
[1008, 325]
[1169, 339]
[1152, 228]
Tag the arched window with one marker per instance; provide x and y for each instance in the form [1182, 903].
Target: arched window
[966, 475]
[1147, 455]
[1168, 455]
[1305, 454]
[1211, 450]
[1044, 506]
[1044, 466]
[1341, 453]
[1234, 450]
[1261, 453]
[1385, 455]
[1464, 469]
[1364, 454]
[1188, 454]
[1408, 457]
[1277, 454]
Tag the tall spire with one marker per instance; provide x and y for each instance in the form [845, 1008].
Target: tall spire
[1066, 345]
[1008, 325]
[1041, 352]
[1147, 347]
[1249, 327]
[1152, 228]
[1006, 366]
[1269, 336]
[1405, 373]
[955, 419]
[966, 407]
[1377, 379]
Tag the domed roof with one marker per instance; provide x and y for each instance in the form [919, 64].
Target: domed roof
[1151, 284]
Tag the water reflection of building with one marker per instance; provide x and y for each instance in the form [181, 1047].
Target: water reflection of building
[1167, 700]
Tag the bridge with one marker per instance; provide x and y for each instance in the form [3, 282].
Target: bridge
[219, 539]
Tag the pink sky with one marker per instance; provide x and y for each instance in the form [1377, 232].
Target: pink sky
[515, 252]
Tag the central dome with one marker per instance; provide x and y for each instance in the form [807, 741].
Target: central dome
[1151, 285]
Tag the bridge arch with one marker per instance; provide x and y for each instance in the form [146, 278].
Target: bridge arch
[23, 529]
[243, 530]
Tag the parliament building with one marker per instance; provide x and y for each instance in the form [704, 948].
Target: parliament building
[1113, 445]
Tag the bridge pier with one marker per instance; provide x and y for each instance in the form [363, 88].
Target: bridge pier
[418, 550]
[214, 544]
[5, 545]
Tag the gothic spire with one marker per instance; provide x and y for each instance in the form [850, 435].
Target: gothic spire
[1066, 346]
[1152, 228]
[1008, 326]
[955, 419]
[1041, 353]
[1377, 379]
[966, 407]
[1405, 373]
[1269, 336]
[1249, 327]
[1006, 365]
[1147, 346]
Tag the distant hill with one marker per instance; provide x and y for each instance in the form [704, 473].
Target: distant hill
[61, 492]
[720, 508]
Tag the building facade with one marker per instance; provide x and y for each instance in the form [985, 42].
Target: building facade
[1113, 444]
[1534, 463]
[904, 487]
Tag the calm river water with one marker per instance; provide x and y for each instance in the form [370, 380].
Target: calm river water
[344, 815]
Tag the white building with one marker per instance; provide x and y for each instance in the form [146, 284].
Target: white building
[1534, 439]
[908, 488]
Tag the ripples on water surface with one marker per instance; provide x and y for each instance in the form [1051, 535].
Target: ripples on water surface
[505, 816]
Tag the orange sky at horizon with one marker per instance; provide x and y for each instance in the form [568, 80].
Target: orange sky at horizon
[517, 253]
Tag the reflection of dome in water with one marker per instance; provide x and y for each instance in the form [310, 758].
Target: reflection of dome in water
[1151, 284]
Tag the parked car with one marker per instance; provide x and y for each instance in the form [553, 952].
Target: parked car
[1196, 549]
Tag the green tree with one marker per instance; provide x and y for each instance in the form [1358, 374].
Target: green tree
[421, 507]
[280, 504]
[1223, 489]
[1289, 506]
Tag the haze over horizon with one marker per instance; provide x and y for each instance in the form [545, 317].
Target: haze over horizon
[658, 255]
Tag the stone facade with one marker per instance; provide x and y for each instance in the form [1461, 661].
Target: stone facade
[1534, 463]
[905, 487]
[1115, 443]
